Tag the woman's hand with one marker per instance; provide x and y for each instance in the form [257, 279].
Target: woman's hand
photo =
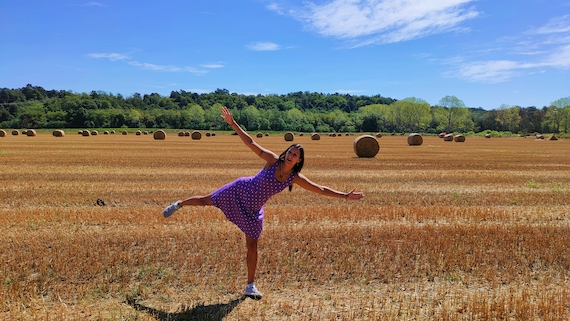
[353, 196]
[227, 116]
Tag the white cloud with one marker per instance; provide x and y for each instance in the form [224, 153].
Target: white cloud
[541, 48]
[93, 4]
[154, 67]
[167, 68]
[110, 56]
[212, 66]
[555, 25]
[386, 21]
[263, 46]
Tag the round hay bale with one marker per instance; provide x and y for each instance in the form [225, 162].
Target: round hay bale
[85, 132]
[553, 138]
[106, 132]
[138, 133]
[58, 133]
[181, 134]
[332, 135]
[289, 136]
[442, 134]
[112, 132]
[213, 134]
[266, 134]
[125, 132]
[24, 132]
[3, 133]
[15, 132]
[196, 135]
[159, 135]
[459, 138]
[378, 135]
[301, 134]
[315, 136]
[145, 132]
[208, 134]
[366, 146]
[31, 132]
[259, 135]
[539, 136]
[415, 139]
[448, 138]
[487, 135]
[187, 134]
[94, 133]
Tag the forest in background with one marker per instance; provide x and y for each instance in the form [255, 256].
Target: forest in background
[35, 107]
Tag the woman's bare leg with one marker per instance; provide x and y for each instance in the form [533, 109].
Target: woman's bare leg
[251, 258]
[197, 201]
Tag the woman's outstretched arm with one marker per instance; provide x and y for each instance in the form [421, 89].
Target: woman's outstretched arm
[305, 183]
[265, 154]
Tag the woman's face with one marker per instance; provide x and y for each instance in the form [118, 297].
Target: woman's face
[293, 156]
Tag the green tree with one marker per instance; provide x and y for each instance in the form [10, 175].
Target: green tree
[562, 116]
[509, 118]
[453, 114]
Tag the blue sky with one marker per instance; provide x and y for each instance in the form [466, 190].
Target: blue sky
[485, 52]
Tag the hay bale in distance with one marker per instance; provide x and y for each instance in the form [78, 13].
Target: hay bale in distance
[3, 133]
[442, 134]
[208, 134]
[125, 132]
[487, 135]
[24, 132]
[181, 133]
[539, 136]
[112, 132]
[58, 133]
[366, 146]
[106, 132]
[94, 133]
[315, 136]
[15, 132]
[31, 132]
[553, 138]
[448, 138]
[196, 135]
[459, 138]
[159, 135]
[378, 135]
[259, 135]
[85, 132]
[138, 133]
[415, 139]
[289, 136]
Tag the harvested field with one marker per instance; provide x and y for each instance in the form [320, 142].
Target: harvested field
[472, 231]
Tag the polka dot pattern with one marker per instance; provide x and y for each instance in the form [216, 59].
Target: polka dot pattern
[242, 200]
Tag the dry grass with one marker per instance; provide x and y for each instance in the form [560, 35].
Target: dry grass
[473, 231]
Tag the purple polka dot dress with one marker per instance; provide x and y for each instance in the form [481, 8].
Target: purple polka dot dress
[242, 200]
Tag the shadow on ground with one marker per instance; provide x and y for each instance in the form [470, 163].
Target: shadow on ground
[200, 312]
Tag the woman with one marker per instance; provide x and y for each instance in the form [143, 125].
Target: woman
[242, 200]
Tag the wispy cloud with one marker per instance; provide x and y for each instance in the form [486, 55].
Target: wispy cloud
[212, 66]
[541, 48]
[385, 21]
[93, 4]
[263, 46]
[110, 56]
[154, 67]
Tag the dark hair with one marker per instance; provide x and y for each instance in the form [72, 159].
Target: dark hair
[297, 168]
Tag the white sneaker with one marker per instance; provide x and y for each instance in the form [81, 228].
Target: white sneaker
[252, 292]
[171, 209]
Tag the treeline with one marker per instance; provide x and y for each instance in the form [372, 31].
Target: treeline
[35, 107]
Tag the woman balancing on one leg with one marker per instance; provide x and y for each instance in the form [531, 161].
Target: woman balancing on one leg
[242, 200]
